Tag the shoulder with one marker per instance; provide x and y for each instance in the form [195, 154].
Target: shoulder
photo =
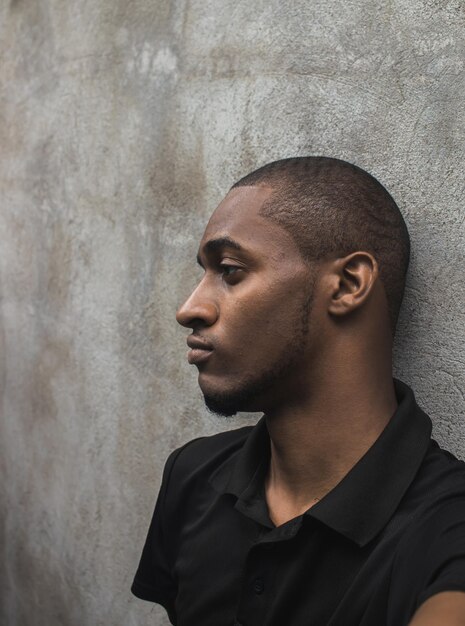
[440, 477]
[433, 504]
[437, 521]
[200, 457]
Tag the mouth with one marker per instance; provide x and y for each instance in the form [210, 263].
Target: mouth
[200, 349]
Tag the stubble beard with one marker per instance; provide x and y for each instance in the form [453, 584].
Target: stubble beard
[227, 404]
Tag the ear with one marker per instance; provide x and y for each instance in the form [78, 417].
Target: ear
[352, 282]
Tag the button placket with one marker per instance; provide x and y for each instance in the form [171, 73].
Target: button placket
[258, 585]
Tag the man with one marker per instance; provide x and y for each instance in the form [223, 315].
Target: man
[336, 507]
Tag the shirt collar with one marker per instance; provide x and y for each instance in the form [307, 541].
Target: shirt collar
[361, 504]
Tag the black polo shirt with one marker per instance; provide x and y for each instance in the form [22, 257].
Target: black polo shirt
[387, 537]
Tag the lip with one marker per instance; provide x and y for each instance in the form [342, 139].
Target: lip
[197, 343]
[198, 355]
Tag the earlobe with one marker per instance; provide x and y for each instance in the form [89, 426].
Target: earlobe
[354, 277]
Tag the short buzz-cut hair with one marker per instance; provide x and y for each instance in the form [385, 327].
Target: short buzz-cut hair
[332, 207]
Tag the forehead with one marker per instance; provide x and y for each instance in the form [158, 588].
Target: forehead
[237, 217]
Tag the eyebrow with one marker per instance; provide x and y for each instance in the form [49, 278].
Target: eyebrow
[213, 245]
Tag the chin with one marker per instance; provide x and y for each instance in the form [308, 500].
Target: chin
[227, 394]
[220, 407]
[230, 402]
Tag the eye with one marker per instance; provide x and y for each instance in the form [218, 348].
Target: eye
[230, 271]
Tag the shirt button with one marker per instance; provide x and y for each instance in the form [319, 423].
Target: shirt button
[258, 585]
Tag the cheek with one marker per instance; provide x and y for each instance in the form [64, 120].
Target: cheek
[264, 321]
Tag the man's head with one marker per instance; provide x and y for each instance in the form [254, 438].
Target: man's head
[331, 206]
[299, 252]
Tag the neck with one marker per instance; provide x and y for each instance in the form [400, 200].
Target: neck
[317, 439]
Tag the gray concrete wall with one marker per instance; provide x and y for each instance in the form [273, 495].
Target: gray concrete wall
[122, 125]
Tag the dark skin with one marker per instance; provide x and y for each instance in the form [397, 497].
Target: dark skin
[328, 365]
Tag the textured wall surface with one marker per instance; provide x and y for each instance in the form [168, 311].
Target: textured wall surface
[122, 125]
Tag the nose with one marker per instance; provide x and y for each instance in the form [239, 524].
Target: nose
[197, 310]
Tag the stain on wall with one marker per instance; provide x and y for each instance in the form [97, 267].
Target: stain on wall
[122, 125]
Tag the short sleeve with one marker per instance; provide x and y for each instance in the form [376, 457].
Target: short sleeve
[429, 559]
[154, 580]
